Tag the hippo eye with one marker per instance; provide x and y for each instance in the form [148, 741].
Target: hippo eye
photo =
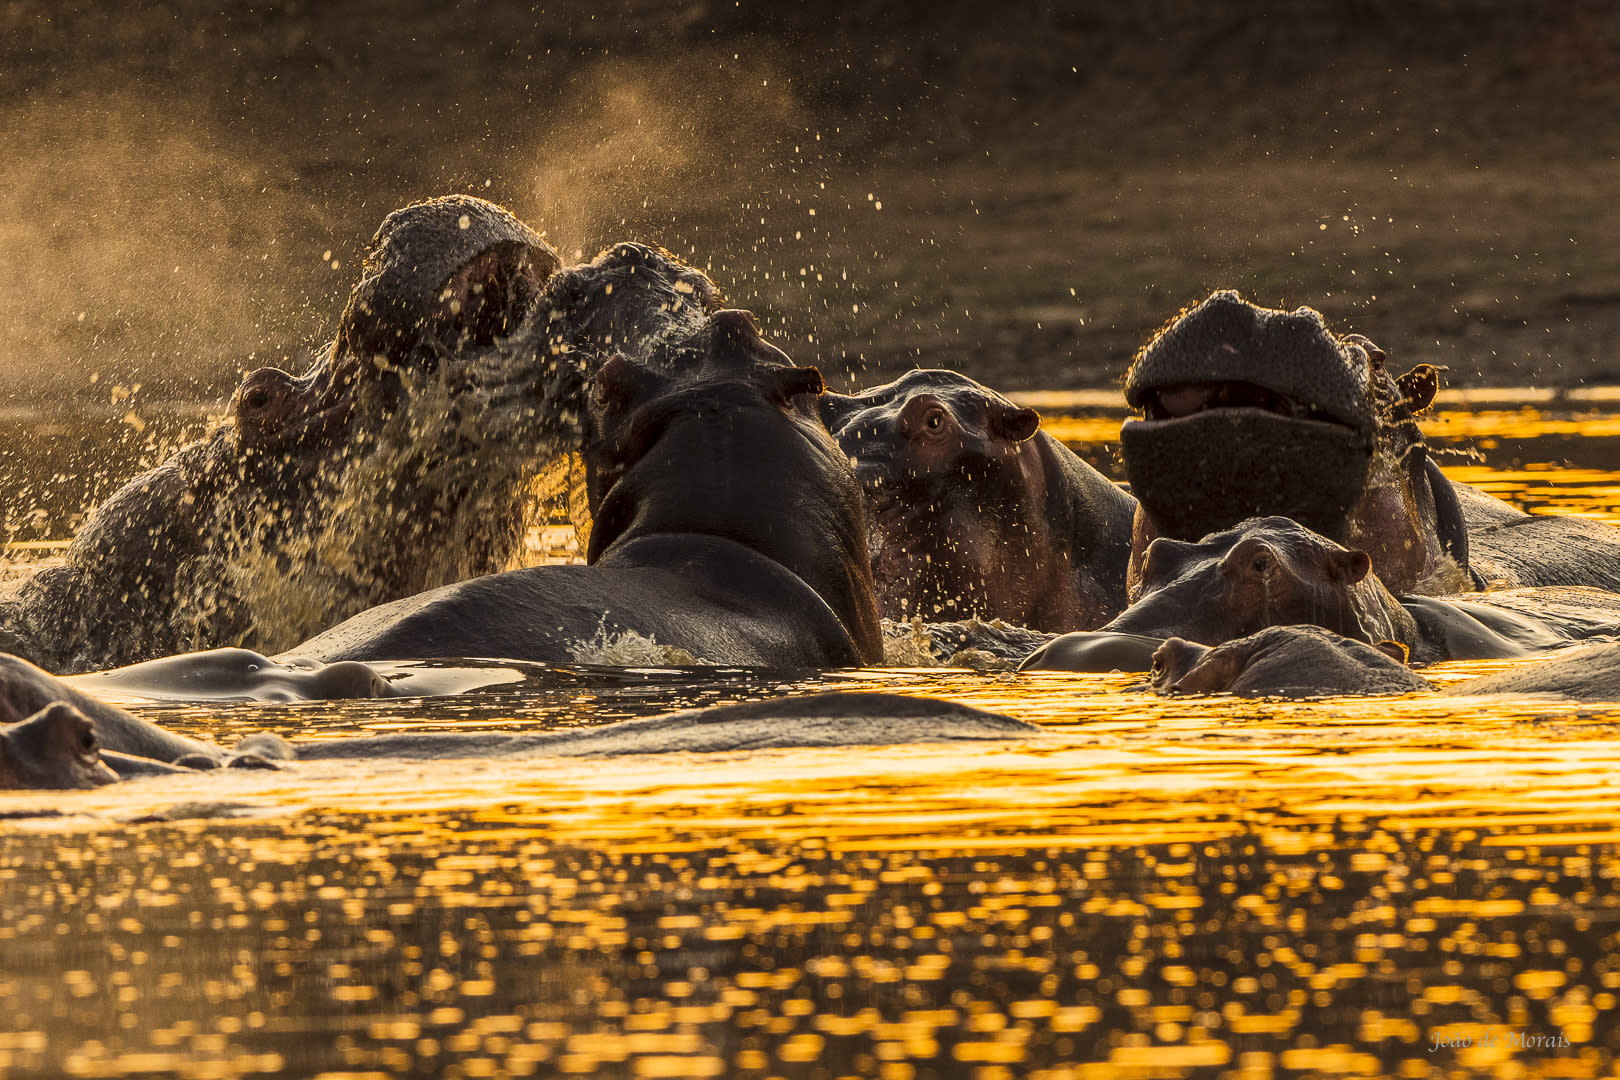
[257, 398]
[87, 740]
[935, 420]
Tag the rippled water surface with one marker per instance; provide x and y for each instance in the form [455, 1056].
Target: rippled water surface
[1405, 886]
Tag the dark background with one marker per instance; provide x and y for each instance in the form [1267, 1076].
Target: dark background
[187, 188]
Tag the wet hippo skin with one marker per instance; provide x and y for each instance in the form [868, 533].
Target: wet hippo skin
[1308, 661]
[54, 748]
[399, 461]
[1283, 661]
[1248, 411]
[168, 561]
[26, 690]
[974, 512]
[1275, 572]
[726, 524]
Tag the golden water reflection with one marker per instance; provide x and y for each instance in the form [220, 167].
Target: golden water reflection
[1149, 888]
[1410, 886]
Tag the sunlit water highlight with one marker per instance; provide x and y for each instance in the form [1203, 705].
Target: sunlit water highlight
[1149, 887]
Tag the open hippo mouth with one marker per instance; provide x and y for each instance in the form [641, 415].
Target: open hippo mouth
[1248, 412]
[1203, 470]
[1188, 399]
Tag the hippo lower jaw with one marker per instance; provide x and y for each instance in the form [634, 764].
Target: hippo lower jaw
[1189, 490]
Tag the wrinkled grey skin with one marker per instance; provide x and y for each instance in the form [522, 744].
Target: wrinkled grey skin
[1282, 661]
[1248, 411]
[26, 690]
[382, 470]
[237, 675]
[1509, 549]
[1275, 572]
[72, 740]
[975, 513]
[1307, 662]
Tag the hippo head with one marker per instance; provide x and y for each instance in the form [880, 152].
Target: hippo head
[919, 437]
[714, 432]
[55, 748]
[633, 300]
[1264, 572]
[643, 416]
[1284, 661]
[442, 278]
[1248, 411]
[952, 481]
[390, 466]
[648, 334]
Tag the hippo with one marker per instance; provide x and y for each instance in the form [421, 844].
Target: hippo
[75, 741]
[975, 513]
[403, 460]
[1250, 411]
[383, 469]
[1284, 661]
[28, 693]
[725, 524]
[1308, 661]
[1275, 572]
[55, 747]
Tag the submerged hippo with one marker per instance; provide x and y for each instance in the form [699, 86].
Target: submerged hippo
[52, 736]
[726, 524]
[1247, 411]
[1275, 572]
[55, 747]
[974, 512]
[383, 469]
[1308, 661]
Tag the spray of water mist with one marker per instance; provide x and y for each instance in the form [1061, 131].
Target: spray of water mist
[143, 244]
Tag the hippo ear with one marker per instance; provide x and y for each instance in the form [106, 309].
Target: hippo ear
[1395, 650]
[1420, 385]
[1012, 423]
[1349, 567]
[788, 383]
[1375, 355]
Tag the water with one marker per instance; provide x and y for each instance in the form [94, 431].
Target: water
[1150, 888]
